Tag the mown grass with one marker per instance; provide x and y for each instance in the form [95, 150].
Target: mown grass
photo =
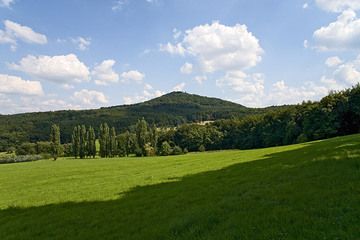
[305, 191]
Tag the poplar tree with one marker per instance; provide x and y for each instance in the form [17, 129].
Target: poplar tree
[113, 143]
[83, 140]
[91, 142]
[55, 141]
[154, 137]
[142, 135]
[75, 141]
[104, 139]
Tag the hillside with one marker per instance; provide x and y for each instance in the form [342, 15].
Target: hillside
[303, 191]
[168, 110]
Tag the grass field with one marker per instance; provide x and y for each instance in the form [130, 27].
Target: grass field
[305, 191]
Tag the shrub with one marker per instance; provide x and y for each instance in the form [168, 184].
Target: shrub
[202, 148]
[12, 158]
[185, 151]
[165, 149]
[177, 150]
[138, 152]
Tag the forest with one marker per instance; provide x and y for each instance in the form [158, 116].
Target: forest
[335, 115]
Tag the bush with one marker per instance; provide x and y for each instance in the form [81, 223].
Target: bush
[165, 149]
[202, 148]
[138, 152]
[177, 150]
[26, 149]
[12, 158]
[185, 151]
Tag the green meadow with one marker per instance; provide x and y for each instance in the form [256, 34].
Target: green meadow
[303, 191]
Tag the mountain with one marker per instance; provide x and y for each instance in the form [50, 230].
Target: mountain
[168, 110]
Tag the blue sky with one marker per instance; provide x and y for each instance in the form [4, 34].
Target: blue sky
[87, 54]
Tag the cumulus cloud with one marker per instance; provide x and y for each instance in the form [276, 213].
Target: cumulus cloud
[249, 87]
[15, 85]
[220, 47]
[187, 68]
[333, 61]
[343, 34]
[82, 43]
[132, 76]
[14, 31]
[90, 97]
[338, 5]
[179, 87]
[103, 74]
[58, 69]
[349, 73]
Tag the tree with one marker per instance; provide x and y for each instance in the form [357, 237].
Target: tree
[55, 141]
[165, 149]
[91, 142]
[75, 140]
[113, 143]
[154, 138]
[83, 141]
[104, 140]
[142, 136]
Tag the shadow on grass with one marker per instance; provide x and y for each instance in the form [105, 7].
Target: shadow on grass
[308, 193]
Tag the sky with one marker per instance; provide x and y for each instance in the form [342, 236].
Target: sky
[84, 54]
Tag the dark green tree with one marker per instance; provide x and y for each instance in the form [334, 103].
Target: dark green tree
[55, 141]
[142, 136]
[113, 151]
[91, 142]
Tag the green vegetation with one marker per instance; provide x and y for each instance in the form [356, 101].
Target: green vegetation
[169, 110]
[304, 191]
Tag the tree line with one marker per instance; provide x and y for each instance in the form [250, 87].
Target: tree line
[335, 115]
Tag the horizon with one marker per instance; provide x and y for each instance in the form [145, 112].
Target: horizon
[75, 55]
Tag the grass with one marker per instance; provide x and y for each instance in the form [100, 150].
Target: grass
[304, 191]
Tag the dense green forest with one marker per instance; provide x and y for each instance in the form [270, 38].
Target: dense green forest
[168, 110]
[335, 115]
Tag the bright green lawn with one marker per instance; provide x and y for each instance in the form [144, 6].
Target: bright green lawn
[306, 191]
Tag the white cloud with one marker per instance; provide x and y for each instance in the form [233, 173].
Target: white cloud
[187, 68]
[6, 3]
[200, 79]
[147, 94]
[338, 5]
[179, 87]
[306, 44]
[333, 61]
[305, 6]
[90, 97]
[16, 85]
[82, 43]
[343, 34]
[348, 73]
[173, 49]
[249, 87]
[132, 76]
[14, 32]
[176, 33]
[58, 69]
[103, 74]
[220, 47]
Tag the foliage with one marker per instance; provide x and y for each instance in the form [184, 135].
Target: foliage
[55, 141]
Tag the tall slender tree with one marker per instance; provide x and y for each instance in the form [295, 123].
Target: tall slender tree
[113, 143]
[104, 139]
[83, 141]
[76, 141]
[91, 142]
[142, 135]
[154, 136]
[55, 141]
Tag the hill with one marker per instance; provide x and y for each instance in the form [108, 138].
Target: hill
[168, 110]
[303, 191]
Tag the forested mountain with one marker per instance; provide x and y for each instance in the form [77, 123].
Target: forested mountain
[168, 110]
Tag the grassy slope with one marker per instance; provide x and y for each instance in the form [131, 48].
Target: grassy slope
[306, 191]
